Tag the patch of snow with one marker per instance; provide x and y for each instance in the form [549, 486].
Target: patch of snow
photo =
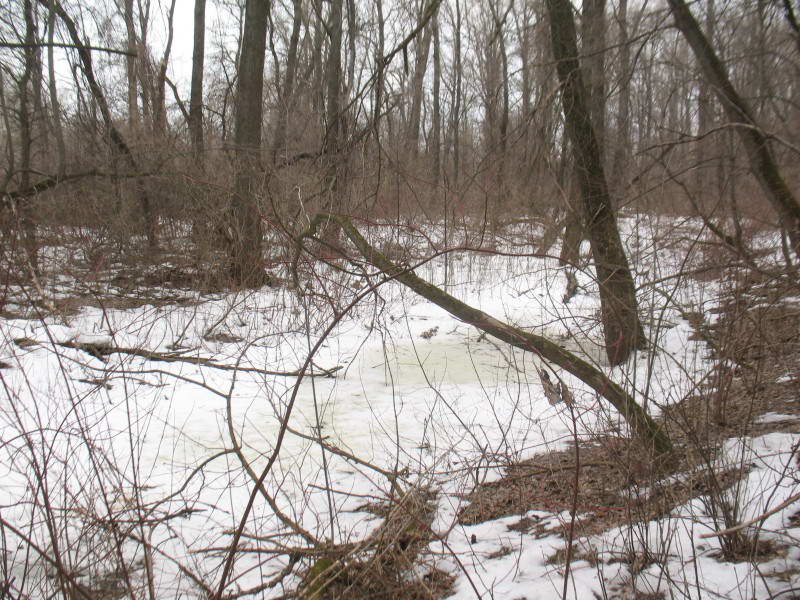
[773, 417]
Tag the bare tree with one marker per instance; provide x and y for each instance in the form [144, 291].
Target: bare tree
[457, 95]
[245, 231]
[435, 149]
[117, 139]
[27, 115]
[286, 98]
[423, 45]
[593, 42]
[622, 150]
[738, 111]
[130, 66]
[55, 105]
[334, 116]
[160, 79]
[621, 326]
[593, 48]
[196, 90]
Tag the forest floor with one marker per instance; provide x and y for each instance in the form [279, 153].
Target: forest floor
[605, 485]
[419, 458]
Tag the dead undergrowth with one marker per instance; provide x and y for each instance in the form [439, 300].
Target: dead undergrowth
[754, 388]
[387, 565]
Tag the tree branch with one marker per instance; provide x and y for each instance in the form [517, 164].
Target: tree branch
[69, 46]
[100, 351]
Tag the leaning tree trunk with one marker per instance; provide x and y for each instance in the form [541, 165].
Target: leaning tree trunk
[593, 44]
[245, 231]
[644, 427]
[755, 142]
[621, 326]
[118, 142]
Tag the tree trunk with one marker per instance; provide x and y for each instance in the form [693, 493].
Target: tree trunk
[423, 45]
[457, 93]
[159, 84]
[287, 93]
[26, 119]
[55, 105]
[334, 118]
[436, 133]
[499, 88]
[593, 44]
[705, 114]
[643, 426]
[622, 150]
[246, 234]
[333, 79]
[379, 68]
[130, 67]
[523, 30]
[352, 35]
[318, 76]
[621, 327]
[756, 144]
[196, 91]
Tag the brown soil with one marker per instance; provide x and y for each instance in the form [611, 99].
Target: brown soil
[756, 340]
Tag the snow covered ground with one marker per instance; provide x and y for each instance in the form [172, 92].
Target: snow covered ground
[102, 453]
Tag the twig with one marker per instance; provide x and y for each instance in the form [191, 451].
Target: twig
[753, 521]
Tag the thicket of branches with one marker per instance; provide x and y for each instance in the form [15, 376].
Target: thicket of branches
[307, 119]
[449, 110]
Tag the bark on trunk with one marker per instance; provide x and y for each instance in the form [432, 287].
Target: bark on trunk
[196, 90]
[287, 96]
[333, 79]
[621, 326]
[160, 83]
[622, 151]
[593, 44]
[436, 133]
[130, 67]
[457, 93]
[26, 120]
[55, 105]
[420, 67]
[246, 234]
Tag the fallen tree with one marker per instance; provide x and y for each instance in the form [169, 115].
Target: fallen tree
[642, 424]
[100, 350]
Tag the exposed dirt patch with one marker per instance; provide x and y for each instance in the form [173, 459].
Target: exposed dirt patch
[617, 484]
[754, 390]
